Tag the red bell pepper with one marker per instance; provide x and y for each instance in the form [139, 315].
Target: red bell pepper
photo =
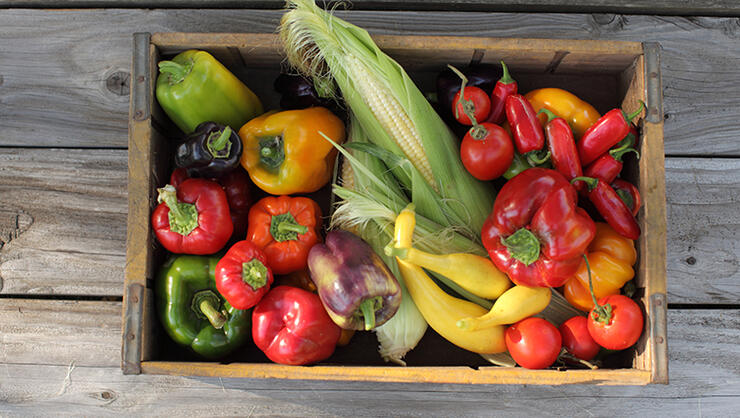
[505, 87]
[525, 126]
[192, 218]
[608, 166]
[629, 194]
[237, 185]
[536, 233]
[242, 275]
[605, 133]
[611, 207]
[285, 228]
[562, 146]
[291, 326]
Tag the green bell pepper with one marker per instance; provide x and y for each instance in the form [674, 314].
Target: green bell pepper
[194, 87]
[192, 311]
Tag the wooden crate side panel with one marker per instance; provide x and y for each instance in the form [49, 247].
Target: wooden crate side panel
[463, 375]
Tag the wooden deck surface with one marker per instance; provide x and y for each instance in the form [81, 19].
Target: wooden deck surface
[63, 201]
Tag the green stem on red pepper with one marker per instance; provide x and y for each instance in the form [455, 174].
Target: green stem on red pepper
[183, 217]
[523, 245]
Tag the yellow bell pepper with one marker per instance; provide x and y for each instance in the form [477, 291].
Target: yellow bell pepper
[611, 257]
[515, 304]
[579, 114]
[285, 153]
[439, 309]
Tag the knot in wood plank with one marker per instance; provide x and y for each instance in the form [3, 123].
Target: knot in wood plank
[118, 83]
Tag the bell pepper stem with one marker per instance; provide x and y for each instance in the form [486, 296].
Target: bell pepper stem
[176, 72]
[183, 217]
[506, 77]
[205, 305]
[219, 144]
[535, 158]
[591, 182]
[631, 116]
[367, 307]
[254, 273]
[550, 115]
[523, 245]
[284, 227]
[600, 313]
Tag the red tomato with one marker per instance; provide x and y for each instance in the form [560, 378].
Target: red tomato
[534, 343]
[577, 340]
[489, 157]
[478, 99]
[624, 328]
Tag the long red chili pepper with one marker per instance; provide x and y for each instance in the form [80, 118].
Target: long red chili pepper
[605, 133]
[525, 127]
[629, 194]
[608, 166]
[611, 207]
[562, 146]
[505, 87]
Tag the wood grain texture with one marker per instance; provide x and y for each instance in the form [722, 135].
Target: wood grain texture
[661, 7]
[63, 221]
[705, 380]
[60, 332]
[62, 63]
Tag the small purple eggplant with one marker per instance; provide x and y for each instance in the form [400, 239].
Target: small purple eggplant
[354, 285]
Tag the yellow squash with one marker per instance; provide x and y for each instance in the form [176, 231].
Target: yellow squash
[441, 310]
[515, 304]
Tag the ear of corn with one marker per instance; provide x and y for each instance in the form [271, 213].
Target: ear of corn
[390, 109]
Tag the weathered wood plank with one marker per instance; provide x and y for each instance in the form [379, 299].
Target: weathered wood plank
[63, 224]
[658, 7]
[60, 332]
[705, 380]
[62, 221]
[64, 72]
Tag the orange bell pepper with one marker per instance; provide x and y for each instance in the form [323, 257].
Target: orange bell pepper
[579, 114]
[611, 257]
[285, 153]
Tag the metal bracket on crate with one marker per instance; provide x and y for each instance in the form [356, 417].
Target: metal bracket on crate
[132, 329]
[658, 337]
[653, 84]
[140, 108]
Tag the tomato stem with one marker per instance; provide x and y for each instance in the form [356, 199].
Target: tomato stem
[599, 313]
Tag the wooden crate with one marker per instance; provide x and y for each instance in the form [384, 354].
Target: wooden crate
[606, 74]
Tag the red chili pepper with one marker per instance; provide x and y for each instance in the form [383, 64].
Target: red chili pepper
[470, 104]
[291, 326]
[536, 233]
[285, 228]
[236, 185]
[525, 126]
[193, 218]
[505, 87]
[608, 166]
[614, 211]
[562, 146]
[605, 133]
[242, 275]
[629, 194]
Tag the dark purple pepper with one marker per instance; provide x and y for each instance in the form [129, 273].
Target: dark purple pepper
[355, 286]
[210, 151]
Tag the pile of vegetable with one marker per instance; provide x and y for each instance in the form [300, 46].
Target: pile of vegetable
[419, 236]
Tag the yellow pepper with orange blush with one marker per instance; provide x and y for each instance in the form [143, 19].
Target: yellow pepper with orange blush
[286, 153]
[611, 257]
[579, 114]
